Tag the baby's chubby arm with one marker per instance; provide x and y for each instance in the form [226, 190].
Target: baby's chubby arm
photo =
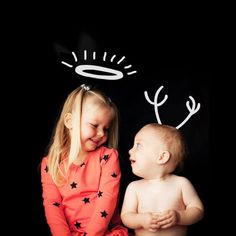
[194, 207]
[193, 212]
[131, 218]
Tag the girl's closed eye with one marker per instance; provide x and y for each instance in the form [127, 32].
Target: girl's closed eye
[93, 125]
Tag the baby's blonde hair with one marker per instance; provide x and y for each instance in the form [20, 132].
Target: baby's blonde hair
[174, 141]
[65, 147]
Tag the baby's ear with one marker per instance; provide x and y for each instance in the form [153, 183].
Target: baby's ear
[163, 157]
[68, 120]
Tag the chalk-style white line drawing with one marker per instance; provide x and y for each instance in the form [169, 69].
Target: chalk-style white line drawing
[115, 74]
[97, 71]
[192, 110]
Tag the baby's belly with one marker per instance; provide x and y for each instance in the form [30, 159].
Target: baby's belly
[173, 231]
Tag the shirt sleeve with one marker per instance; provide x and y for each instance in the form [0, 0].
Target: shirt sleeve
[52, 204]
[107, 195]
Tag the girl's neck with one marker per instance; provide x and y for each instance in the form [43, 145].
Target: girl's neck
[81, 158]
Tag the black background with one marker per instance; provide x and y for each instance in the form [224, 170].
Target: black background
[166, 47]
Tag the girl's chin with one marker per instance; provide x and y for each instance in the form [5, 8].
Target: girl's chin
[92, 146]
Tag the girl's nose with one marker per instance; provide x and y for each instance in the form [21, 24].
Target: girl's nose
[100, 133]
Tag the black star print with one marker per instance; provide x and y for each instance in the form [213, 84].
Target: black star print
[73, 185]
[77, 224]
[83, 164]
[56, 204]
[114, 175]
[103, 214]
[100, 193]
[46, 169]
[105, 157]
[86, 200]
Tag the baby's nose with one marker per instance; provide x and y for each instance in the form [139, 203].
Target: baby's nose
[130, 151]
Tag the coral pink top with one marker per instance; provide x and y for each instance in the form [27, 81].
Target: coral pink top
[87, 204]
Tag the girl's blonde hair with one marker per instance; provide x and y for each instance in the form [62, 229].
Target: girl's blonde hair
[64, 146]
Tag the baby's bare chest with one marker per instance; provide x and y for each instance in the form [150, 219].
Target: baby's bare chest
[160, 198]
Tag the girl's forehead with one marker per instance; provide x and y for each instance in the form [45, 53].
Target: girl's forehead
[94, 102]
[97, 110]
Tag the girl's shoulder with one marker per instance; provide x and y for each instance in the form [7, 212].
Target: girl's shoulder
[44, 164]
[108, 151]
[107, 155]
[44, 159]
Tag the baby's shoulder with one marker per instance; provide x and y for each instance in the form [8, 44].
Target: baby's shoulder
[180, 179]
[136, 186]
[136, 183]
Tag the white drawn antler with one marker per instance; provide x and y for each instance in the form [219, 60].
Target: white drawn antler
[156, 105]
[192, 110]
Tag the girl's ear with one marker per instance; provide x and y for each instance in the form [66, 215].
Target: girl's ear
[68, 120]
[163, 157]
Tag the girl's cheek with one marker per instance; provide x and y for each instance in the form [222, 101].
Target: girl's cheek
[104, 138]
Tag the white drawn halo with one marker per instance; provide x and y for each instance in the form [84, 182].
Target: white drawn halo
[115, 74]
[112, 73]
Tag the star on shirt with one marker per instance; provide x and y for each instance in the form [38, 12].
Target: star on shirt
[86, 200]
[103, 214]
[83, 164]
[114, 175]
[73, 185]
[100, 193]
[56, 204]
[46, 169]
[105, 157]
[77, 224]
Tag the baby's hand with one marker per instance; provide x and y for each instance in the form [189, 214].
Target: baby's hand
[150, 222]
[168, 219]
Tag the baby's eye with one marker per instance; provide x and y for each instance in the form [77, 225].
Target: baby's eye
[137, 145]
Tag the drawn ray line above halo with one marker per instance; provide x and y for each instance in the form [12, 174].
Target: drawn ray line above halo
[105, 73]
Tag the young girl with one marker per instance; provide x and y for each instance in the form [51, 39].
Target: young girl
[81, 173]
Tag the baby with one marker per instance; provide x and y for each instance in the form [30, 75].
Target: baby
[160, 203]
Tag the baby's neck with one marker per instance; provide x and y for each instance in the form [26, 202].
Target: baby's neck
[161, 178]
